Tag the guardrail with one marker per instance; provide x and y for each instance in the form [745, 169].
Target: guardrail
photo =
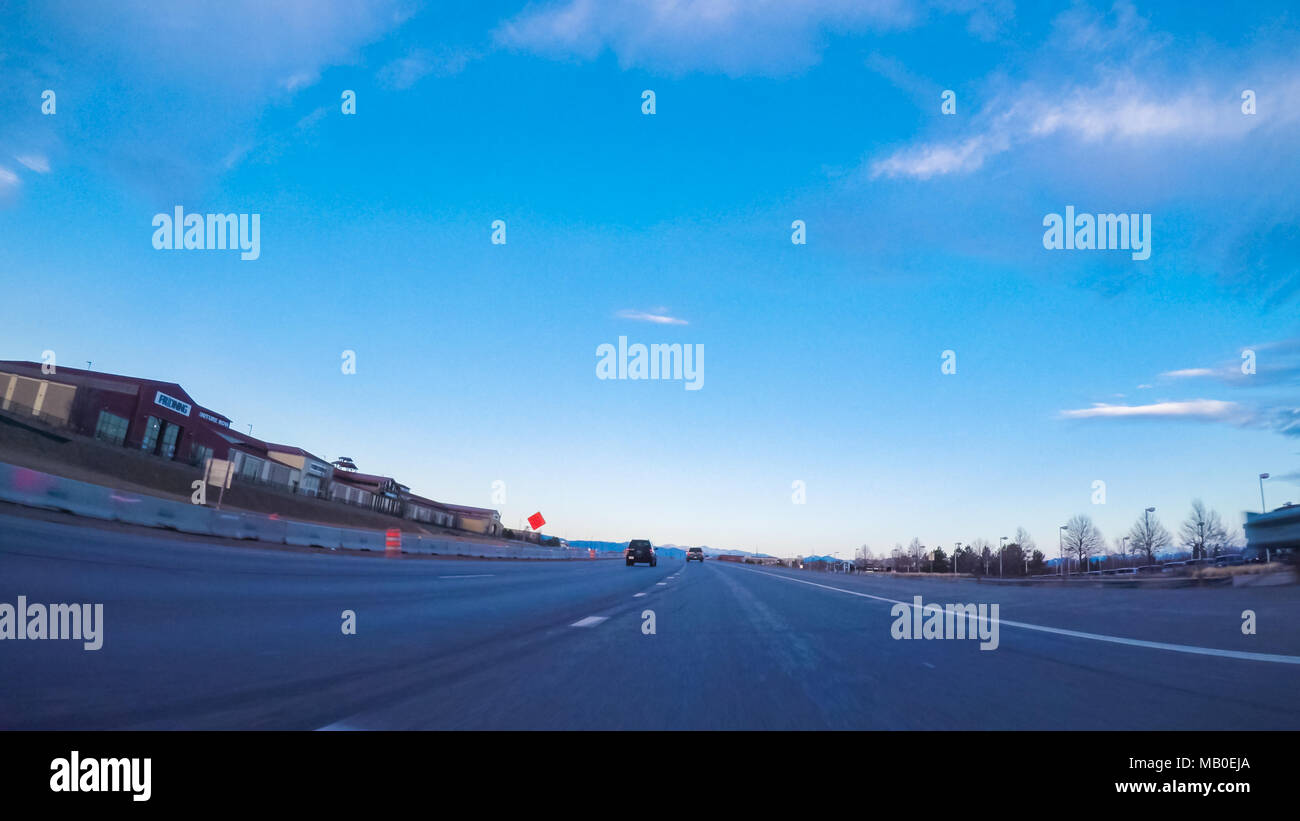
[32, 488]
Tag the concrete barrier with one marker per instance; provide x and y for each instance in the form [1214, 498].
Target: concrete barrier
[80, 498]
[33, 488]
[310, 534]
[354, 539]
[151, 511]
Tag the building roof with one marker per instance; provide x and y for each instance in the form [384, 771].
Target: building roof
[350, 477]
[79, 375]
[271, 446]
[471, 511]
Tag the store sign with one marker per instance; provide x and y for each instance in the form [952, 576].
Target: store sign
[172, 404]
[205, 415]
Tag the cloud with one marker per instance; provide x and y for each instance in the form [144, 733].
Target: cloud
[1108, 80]
[734, 37]
[405, 72]
[35, 162]
[657, 318]
[1188, 373]
[926, 161]
[1121, 109]
[216, 74]
[1205, 409]
[1276, 363]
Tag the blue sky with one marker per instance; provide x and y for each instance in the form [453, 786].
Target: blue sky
[476, 362]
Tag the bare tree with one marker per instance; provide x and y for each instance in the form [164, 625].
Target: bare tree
[1082, 539]
[1202, 530]
[1148, 536]
[915, 552]
[982, 549]
[1025, 541]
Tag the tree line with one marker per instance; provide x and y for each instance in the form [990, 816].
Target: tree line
[1203, 534]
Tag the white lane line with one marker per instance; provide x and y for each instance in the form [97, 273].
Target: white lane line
[1242, 655]
[337, 727]
[590, 621]
[661, 584]
[637, 595]
[928, 664]
[469, 576]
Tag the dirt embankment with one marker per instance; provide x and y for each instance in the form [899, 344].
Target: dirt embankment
[88, 460]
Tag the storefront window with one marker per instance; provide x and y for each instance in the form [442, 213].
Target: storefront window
[199, 455]
[150, 441]
[111, 428]
[170, 434]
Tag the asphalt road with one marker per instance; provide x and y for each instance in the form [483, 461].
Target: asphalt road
[207, 636]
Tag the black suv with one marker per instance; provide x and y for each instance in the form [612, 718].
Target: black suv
[640, 550]
[695, 554]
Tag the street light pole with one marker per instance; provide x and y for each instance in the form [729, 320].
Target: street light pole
[1263, 508]
[1002, 546]
[1060, 549]
[1147, 534]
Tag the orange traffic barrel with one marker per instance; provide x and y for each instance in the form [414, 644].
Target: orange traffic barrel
[393, 542]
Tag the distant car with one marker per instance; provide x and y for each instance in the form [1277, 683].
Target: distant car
[1126, 571]
[640, 550]
[695, 554]
[1230, 560]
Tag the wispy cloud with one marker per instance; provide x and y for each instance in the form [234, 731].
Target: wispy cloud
[35, 162]
[1119, 109]
[660, 318]
[405, 72]
[1107, 79]
[767, 37]
[8, 179]
[1205, 409]
[1188, 373]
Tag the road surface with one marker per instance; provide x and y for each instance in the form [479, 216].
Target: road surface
[215, 636]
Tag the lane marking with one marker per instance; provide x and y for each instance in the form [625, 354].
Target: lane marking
[469, 576]
[590, 621]
[338, 726]
[661, 584]
[637, 595]
[1242, 655]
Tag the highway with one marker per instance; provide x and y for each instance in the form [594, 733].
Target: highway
[199, 635]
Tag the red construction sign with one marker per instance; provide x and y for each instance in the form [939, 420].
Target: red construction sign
[536, 521]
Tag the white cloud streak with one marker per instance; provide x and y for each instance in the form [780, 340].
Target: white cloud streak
[643, 316]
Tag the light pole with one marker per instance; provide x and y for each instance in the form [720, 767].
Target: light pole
[1123, 540]
[955, 550]
[1263, 508]
[1002, 546]
[1146, 536]
[1060, 549]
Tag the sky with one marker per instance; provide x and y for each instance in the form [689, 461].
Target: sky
[824, 361]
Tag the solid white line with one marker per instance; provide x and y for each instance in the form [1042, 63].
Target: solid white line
[590, 621]
[661, 584]
[637, 595]
[469, 576]
[1154, 645]
[338, 726]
